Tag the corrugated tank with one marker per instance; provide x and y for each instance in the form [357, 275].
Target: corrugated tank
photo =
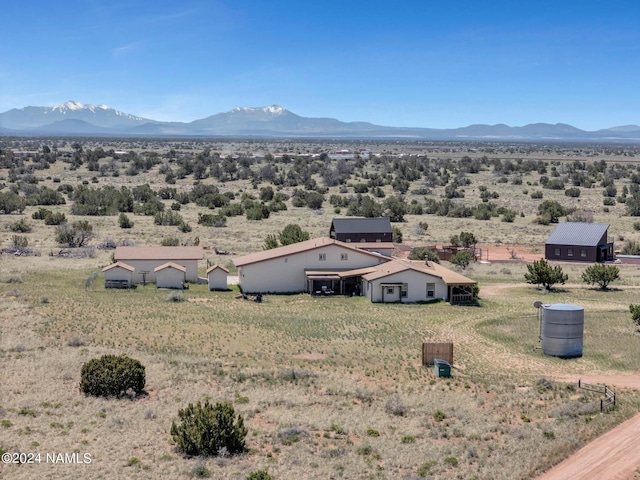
[562, 330]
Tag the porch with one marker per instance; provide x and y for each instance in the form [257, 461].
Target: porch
[461, 294]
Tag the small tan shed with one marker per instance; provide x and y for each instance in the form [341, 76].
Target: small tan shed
[217, 276]
[170, 275]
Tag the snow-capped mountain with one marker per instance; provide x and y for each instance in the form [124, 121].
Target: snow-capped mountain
[75, 118]
[98, 115]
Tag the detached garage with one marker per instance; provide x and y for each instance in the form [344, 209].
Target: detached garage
[171, 275]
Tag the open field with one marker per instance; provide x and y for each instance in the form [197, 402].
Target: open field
[355, 362]
[329, 387]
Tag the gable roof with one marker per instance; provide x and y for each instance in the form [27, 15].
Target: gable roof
[361, 225]
[119, 265]
[299, 247]
[434, 269]
[170, 265]
[216, 266]
[158, 253]
[578, 233]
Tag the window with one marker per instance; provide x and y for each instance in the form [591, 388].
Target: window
[431, 290]
[583, 252]
[390, 290]
[557, 252]
[404, 290]
[344, 256]
[569, 252]
[322, 257]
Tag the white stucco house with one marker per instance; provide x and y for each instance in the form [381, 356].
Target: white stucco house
[170, 275]
[145, 260]
[303, 267]
[217, 277]
[118, 275]
[325, 266]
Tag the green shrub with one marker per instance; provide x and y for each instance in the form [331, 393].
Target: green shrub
[112, 376]
[205, 429]
[20, 226]
[425, 468]
[635, 313]
[54, 218]
[18, 241]
[439, 416]
[124, 221]
[41, 214]
[453, 461]
[170, 242]
[259, 475]
[423, 253]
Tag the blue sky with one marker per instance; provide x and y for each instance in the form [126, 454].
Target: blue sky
[422, 63]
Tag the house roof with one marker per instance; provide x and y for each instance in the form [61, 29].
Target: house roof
[216, 266]
[299, 247]
[361, 225]
[158, 253]
[340, 273]
[578, 233]
[374, 245]
[170, 265]
[119, 265]
[434, 269]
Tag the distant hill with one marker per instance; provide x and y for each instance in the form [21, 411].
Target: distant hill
[75, 118]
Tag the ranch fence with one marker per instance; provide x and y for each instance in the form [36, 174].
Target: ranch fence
[609, 399]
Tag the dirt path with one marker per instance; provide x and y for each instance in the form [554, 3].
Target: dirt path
[613, 456]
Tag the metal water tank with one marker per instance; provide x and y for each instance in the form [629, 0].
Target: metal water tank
[562, 330]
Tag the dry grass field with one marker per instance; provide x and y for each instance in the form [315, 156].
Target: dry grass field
[329, 387]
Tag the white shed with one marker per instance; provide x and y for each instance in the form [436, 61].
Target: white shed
[118, 275]
[170, 275]
[217, 276]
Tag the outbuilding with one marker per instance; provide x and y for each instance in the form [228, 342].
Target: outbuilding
[579, 242]
[145, 260]
[217, 277]
[361, 230]
[118, 275]
[171, 275]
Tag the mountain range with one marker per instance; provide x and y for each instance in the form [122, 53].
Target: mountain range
[75, 118]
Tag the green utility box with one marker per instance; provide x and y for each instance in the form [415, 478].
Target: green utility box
[442, 368]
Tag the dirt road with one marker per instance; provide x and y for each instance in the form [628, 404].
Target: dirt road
[613, 456]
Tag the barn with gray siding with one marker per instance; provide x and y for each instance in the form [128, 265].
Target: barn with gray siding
[579, 242]
[361, 230]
